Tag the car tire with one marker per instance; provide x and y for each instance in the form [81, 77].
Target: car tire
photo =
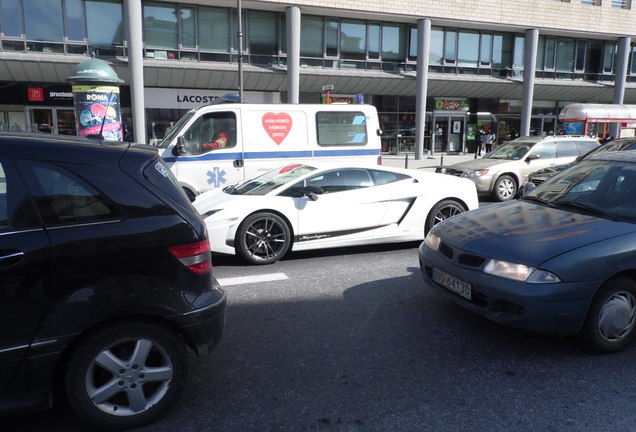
[441, 211]
[126, 375]
[505, 188]
[263, 238]
[611, 319]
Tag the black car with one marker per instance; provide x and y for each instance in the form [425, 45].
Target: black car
[106, 279]
[540, 176]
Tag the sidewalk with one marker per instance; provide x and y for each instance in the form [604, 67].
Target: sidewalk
[427, 161]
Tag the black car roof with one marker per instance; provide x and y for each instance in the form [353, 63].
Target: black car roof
[615, 156]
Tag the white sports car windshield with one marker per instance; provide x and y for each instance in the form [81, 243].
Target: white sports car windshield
[269, 181]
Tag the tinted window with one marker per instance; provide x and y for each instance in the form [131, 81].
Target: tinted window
[158, 174]
[341, 128]
[586, 146]
[566, 148]
[62, 197]
[384, 177]
[545, 150]
[341, 180]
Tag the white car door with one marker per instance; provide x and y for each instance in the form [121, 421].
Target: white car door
[350, 207]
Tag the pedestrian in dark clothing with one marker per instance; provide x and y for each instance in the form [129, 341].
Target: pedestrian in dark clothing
[481, 134]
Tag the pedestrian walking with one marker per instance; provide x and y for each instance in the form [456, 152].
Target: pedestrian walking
[481, 134]
[489, 140]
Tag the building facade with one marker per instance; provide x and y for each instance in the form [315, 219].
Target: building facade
[504, 65]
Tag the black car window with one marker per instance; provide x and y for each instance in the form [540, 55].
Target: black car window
[385, 177]
[545, 150]
[566, 149]
[62, 197]
[341, 180]
[160, 176]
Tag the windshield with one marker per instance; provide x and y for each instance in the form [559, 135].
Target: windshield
[511, 151]
[606, 188]
[170, 135]
[269, 181]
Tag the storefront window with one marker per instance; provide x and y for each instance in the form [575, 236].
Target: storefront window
[75, 20]
[160, 26]
[104, 22]
[468, 48]
[485, 52]
[188, 28]
[263, 33]
[311, 36]
[374, 41]
[43, 20]
[11, 18]
[436, 54]
[502, 51]
[450, 46]
[214, 29]
[565, 55]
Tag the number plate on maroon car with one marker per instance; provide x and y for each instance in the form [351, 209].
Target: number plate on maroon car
[453, 284]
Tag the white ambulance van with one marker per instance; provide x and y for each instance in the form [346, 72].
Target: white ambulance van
[261, 137]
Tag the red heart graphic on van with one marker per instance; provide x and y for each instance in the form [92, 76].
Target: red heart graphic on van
[277, 125]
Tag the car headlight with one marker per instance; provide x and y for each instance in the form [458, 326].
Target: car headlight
[519, 272]
[475, 174]
[432, 241]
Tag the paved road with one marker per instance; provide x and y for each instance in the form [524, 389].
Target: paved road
[349, 340]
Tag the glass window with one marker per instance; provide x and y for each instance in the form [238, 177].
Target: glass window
[622, 4]
[566, 149]
[263, 33]
[311, 36]
[550, 51]
[545, 150]
[341, 180]
[211, 132]
[450, 46]
[485, 52]
[4, 219]
[159, 175]
[62, 197]
[188, 28]
[11, 18]
[502, 51]
[541, 53]
[43, 20]
[373, 34]
[385, 177]
[332, 38]
[436, 53]
[393, 43]
[565, 55]
[608, 57]
[413, 44]
[518, 51]
[75, 20]
[234, 30]
[341, 128]
[581, 48]
[104, 22]
[214, 29]
[353, 40]
[468, 48]
[160, 26]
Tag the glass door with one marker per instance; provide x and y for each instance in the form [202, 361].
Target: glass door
[65, 121]
[440, 133]
[456, 134]
[41, 120]
[52, 120]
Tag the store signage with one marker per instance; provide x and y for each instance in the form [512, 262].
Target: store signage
[192, 98]
[36, 94]
[451, 104]
[60, 95]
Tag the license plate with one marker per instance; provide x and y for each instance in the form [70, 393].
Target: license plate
[453, 284]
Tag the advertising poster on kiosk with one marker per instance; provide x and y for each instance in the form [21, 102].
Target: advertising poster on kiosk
[97, 110]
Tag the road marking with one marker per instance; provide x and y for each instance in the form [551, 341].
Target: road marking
[252, 279]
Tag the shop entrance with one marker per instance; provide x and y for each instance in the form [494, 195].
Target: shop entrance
[448, 132]
[543, 125]
[51, 120]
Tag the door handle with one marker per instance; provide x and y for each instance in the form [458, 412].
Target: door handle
[238, 163]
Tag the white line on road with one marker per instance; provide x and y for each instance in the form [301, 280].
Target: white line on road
[252, 279]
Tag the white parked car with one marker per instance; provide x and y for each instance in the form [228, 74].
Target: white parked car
[309, 207]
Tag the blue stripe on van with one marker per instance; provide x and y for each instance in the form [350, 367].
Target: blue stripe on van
[274, 155]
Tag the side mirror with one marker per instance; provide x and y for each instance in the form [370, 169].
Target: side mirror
[180, 148]
[379, 132]
[312, 191]
[532, 157]
[528, 187]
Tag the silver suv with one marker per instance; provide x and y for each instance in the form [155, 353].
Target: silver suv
[501, 171]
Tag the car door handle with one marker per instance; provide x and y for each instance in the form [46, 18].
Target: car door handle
[238, 163]
[10, 255]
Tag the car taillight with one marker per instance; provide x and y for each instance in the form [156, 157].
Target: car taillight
[195, 256]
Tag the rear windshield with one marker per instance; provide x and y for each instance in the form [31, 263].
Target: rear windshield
[160, 176]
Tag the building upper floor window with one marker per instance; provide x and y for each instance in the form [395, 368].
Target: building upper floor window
[591, 2]
[622, 4]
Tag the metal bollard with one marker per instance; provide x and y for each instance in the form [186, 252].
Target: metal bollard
[406, 161]
[441, 162]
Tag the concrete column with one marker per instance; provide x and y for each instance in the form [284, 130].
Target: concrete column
[136, 68]
[423, 50]
[529, 65]
[293, 54]
[620, 77]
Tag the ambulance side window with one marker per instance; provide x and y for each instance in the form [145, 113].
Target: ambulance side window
[211, 132]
